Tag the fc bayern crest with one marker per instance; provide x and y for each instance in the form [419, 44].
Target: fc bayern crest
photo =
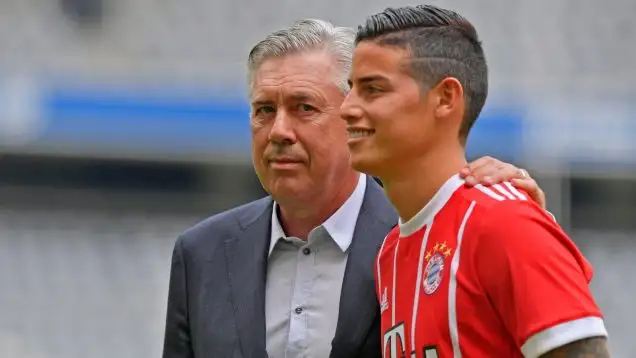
[433, 273]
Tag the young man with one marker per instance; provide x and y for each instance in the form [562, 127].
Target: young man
[474, 272]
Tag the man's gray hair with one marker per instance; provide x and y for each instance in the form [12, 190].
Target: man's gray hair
[306, 35]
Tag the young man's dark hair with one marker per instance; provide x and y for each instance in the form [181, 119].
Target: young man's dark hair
[442, 44]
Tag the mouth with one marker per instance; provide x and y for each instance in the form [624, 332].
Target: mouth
[359, 133]
[284, 163]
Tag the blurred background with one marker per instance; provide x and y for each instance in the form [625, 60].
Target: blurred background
[123, 122]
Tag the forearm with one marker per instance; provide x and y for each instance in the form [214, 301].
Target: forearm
[585, 348]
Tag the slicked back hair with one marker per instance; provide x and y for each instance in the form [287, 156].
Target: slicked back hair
[441, 44]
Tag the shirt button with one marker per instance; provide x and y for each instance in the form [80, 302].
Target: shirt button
[306, 251]
[298, 310]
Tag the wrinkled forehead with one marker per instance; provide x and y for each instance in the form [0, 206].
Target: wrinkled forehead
[288, 90]
[298, 77]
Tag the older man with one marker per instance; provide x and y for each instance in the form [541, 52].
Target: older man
[291, 275]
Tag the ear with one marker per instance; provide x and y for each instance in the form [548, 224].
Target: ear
[450, 97]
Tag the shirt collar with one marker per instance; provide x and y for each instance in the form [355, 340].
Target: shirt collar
[428, 212]
[340, 225]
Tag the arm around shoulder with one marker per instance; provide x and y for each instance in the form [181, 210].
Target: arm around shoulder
[177, 340]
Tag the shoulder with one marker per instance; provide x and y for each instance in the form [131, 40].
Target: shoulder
[219, 227]
[494, 196]
[516, 231]
[507, 221]
[502, 206]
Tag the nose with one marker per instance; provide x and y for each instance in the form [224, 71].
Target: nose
[282, 131]
[350, 110]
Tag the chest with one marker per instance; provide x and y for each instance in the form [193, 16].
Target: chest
[303, 286]
[418, 285]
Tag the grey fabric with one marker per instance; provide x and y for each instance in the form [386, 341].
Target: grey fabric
[309, 281]
[304, 282]
[216, 304]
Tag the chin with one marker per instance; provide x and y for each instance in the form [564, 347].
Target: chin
[365, 164]
[288, 187]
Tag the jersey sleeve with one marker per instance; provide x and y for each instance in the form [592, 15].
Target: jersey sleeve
[536, 278]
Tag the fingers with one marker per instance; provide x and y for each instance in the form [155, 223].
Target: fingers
[473, 172]
[482, 162]
[495, 175]
[488, 171]
[465, 174]
[531, 187]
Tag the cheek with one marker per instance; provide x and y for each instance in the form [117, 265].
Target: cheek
[259, 143]
[393, 130]
[336, 133]
[324, 143]
[338, 130]
[382, 118]
[259, 137]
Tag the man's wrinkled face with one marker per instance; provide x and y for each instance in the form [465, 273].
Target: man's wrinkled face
[299, 142]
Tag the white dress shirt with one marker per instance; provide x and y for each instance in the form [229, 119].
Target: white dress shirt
[304, 280]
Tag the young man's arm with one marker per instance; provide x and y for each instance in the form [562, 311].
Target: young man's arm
[585, 348]
[537, 280]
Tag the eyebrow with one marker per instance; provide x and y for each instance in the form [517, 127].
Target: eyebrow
[261, 103]
[367, 79]
[302, 97]
[296, 97]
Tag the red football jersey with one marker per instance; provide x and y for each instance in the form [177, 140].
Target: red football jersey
[482, 272]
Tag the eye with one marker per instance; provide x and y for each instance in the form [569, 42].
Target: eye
[372, 89]
[264, 110]
[306, 107]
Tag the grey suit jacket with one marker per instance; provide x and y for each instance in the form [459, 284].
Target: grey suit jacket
[216, 301]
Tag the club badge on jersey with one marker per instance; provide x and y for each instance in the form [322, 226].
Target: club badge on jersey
[435, 264]
[437, 260]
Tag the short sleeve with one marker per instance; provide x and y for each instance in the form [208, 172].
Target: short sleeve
[536, 278]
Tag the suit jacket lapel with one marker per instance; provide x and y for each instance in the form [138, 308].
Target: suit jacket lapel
[358, 303]
[246, 255]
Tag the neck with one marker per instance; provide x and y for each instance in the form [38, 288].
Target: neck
[299, 220]
[414, 184]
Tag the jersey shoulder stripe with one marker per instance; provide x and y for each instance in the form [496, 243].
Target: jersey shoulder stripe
[501, 192]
